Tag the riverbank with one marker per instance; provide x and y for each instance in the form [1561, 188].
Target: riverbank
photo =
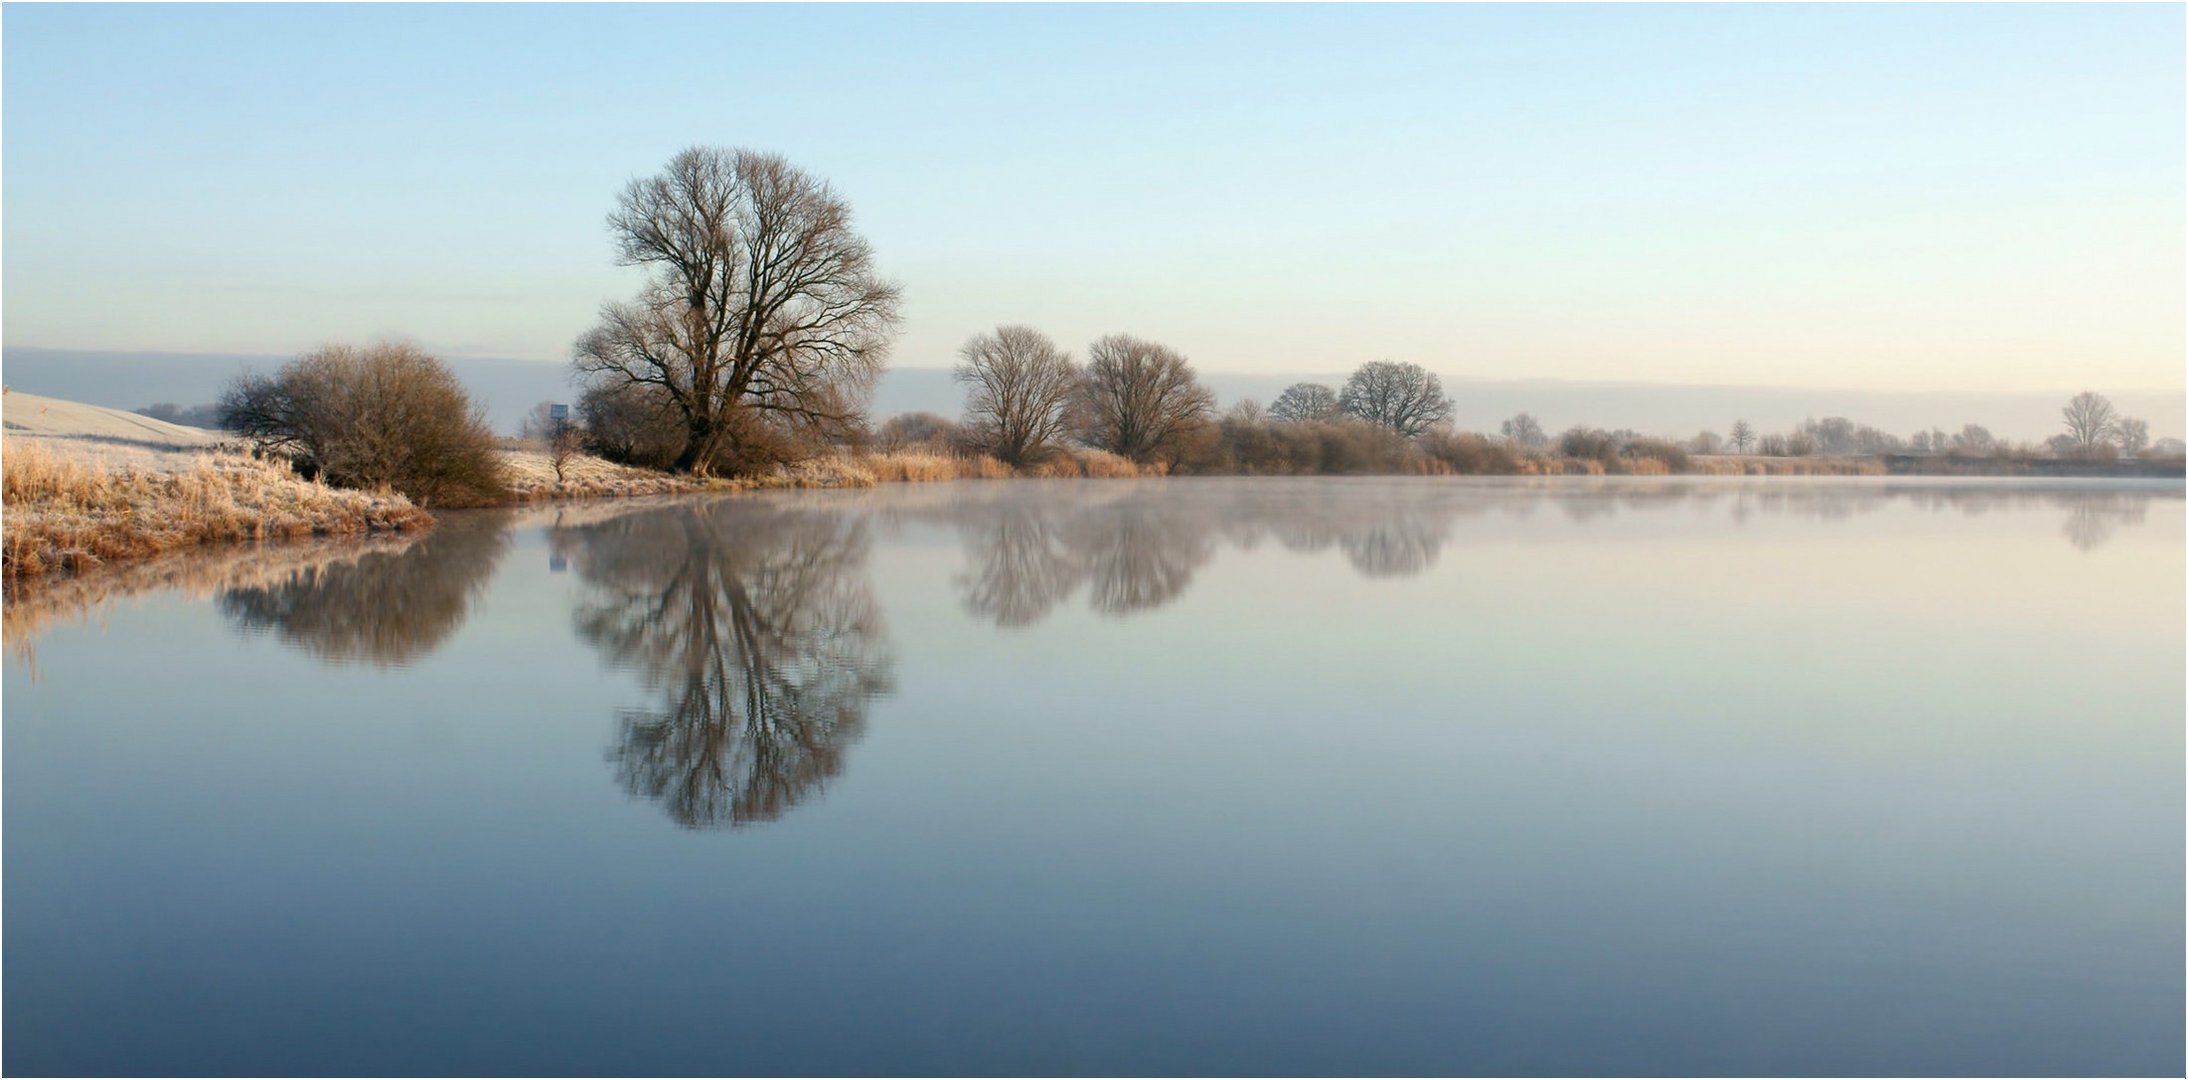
[66, 512]
[87, 486]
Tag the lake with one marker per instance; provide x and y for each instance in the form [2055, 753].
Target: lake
[1262, 776]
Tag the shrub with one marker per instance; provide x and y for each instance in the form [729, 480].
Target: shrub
[917, 431]
[1672, 455]
[1589, 444]
[1470, 454]
[387, 415]
[631, 425]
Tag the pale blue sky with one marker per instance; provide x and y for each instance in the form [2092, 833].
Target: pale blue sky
[1886, 197]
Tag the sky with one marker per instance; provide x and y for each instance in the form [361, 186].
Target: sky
[1887, 198]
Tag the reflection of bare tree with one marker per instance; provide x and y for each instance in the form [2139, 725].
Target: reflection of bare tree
[1021, 568]
[1400, 544]
[1140, 554]
[2091, 518]
[757, 631]
[384, 608]
[1139, 547]
[1139, 550]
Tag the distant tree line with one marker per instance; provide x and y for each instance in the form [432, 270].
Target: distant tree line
[761, 325]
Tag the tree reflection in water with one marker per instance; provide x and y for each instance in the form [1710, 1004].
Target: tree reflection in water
[383, 608]
[1138, 547]
[755, 627]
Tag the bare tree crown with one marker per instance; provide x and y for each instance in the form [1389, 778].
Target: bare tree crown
[1140, 398]
[1305, 401]
[2089, 418]
[1021, 392]
[760, 298]
[1406, 398]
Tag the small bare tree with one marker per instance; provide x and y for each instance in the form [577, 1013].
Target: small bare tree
[1525, 432]
[1022, 388]
[1973, 439]
[761, 313]
[1140, 400]
[1743, 436]
[2133, 435]
[1405, 398]
[2089, 419]
[1305, 401]
[554, 431]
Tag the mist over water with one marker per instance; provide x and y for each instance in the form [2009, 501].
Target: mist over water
[1269, 776]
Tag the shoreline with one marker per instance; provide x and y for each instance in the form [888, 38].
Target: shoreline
[84, 513]
[89, 488]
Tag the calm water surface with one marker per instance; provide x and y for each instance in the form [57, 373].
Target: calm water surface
[1224, 776]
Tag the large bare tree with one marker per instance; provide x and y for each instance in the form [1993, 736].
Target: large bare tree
[1305, 401]
[2089, 419]
[1140, 399]
[761, 313]
[1406, 398]
[1022, 387]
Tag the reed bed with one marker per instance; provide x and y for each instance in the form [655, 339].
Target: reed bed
[1727, 465]
[920, 466]
[67, 514]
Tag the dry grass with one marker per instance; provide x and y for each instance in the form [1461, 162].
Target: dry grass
[1728, 465]
[823, 472]
[917, 466]
[69, 514]
[530, 474]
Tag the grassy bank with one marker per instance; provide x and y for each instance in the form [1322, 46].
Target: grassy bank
[66, 513]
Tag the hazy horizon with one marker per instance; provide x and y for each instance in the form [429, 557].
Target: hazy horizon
[1869, 200]
[507, 388]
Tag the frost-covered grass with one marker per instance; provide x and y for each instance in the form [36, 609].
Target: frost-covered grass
[65, 511]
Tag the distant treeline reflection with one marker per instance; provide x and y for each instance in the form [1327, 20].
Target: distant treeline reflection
[751, 621]
[1136, 548]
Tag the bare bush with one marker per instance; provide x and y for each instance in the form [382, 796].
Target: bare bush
[1588, 444]
[917, 431]
[386, 415]
[1469, 454]
[632, 425]
[1671, 455]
